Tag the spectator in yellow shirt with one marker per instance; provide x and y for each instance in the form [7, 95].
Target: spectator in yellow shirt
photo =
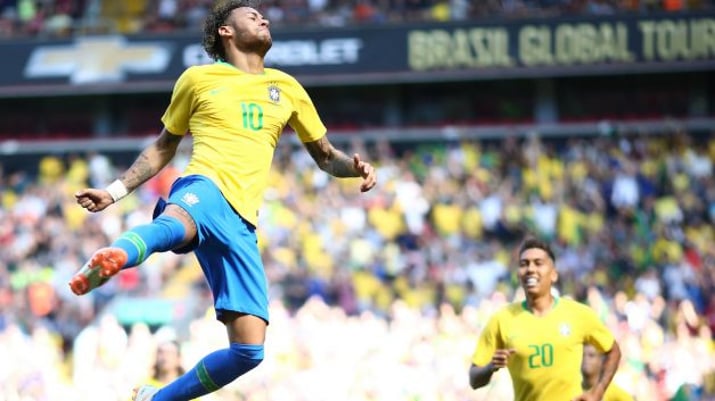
[167, 365]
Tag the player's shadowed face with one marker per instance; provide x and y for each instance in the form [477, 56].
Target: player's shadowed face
[536, 272]
[592, 360]
[248, 30]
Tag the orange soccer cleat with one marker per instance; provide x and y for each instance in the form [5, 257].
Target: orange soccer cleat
[104, 264]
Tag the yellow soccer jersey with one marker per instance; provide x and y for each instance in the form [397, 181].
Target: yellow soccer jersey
[615, 393]
[236, 119]
[547, 363]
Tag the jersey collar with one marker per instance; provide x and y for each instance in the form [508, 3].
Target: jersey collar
[525, 306]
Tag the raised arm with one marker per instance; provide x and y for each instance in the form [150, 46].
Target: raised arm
[151, 160]
[338, 164]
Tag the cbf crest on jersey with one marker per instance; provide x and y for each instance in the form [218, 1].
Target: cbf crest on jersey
[274, 93]
[565, 329]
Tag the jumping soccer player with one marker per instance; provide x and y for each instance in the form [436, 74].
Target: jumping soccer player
[236, 110]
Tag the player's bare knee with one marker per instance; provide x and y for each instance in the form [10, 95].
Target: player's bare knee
[244, 328]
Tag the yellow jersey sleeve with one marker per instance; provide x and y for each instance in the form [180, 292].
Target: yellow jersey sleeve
[305, 120]
[596, 333]
[488, 342]
[615, 393]
[178, 113]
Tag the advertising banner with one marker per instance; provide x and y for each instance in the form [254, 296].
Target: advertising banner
[388, 54]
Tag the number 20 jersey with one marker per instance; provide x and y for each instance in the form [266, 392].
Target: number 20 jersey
[547, 363]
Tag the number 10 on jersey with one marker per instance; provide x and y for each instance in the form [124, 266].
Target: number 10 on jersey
[252, 116]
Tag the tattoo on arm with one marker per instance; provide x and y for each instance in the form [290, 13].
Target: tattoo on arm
[331, 160]
[140, 171]
[151, 160]
[341, 165]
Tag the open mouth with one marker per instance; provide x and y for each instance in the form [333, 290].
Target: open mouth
[530, 282]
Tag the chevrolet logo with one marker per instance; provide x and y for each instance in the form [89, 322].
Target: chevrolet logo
[98, 60]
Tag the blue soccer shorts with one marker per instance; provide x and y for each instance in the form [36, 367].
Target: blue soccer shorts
[226, 247]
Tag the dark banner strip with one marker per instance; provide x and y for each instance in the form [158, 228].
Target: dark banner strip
[677, 42]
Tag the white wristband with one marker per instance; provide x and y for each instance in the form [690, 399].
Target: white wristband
[117, 190]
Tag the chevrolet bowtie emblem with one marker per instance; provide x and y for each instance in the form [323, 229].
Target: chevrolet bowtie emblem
[98, 59]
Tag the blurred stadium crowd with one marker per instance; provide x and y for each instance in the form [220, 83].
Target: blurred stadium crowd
[58, 18]
[381, 296]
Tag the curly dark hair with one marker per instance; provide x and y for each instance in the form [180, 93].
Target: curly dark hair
[212, 41]
[533, 242]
